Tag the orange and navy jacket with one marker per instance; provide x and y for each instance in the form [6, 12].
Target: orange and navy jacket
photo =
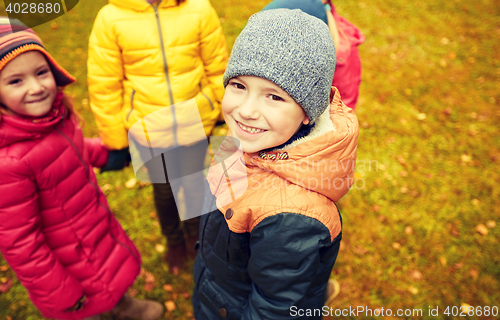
[273, 237]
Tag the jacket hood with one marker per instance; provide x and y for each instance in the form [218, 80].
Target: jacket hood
[322, 162]
[141, 5]
[16, 129]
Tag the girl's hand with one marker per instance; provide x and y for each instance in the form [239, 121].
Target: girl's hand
[117, 160]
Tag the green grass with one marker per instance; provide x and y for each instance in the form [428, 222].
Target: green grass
[429, 114]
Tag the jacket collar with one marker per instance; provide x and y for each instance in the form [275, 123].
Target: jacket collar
[142, 5]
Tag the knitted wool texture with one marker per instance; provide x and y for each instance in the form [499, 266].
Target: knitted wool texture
[292, 49]
[16, 38]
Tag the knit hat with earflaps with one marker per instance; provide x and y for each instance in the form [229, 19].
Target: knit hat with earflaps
[16, 38]
[292, 49]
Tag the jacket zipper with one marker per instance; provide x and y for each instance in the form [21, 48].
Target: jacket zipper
[165, 67]
[131, 103]
[209, 101]
[97, 192]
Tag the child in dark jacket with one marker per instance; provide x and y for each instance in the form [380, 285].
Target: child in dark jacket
[272, 232]
[57, 232]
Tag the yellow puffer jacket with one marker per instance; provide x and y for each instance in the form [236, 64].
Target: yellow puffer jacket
[144, 57]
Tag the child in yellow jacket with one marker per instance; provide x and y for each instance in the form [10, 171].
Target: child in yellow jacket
[149, 56]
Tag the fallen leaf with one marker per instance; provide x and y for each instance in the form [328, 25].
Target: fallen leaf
[408, 230]
[447, 111]
[376, 208]
[54, 25]
[491, 224]
[5, 285]
[403, 173]
[475, 202]
[8, 317]
[474, 273]
[149, 286]
[360, 250]
[160, 248]
[118, 187]
[153, 215]
[466, 307]
[132, 292]
[396, 246]
[404, 189]
[143, 184]
[186, 295]
[458, 265]
[149, 278]
[168, 287]
[466, 158]
[131, 183]
[421, 116]
[106, 187]
[443, 261]
[382, 218]
[417, 275]
[4, 268]
[481, 228]
[413, 290]
[170, 305]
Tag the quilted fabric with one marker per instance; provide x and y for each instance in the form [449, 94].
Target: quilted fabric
[56, 229]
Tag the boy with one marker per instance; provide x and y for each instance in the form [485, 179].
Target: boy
[269, 251]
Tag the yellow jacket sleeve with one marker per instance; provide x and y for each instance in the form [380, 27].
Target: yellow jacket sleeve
[213, 51]
[105, 77]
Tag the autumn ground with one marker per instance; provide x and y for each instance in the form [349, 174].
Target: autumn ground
[422, 223]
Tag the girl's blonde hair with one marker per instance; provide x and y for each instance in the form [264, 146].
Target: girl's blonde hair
[69, 104]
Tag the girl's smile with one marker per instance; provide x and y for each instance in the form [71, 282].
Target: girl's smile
[27, 85]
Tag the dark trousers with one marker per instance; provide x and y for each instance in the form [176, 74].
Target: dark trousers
[182, 165]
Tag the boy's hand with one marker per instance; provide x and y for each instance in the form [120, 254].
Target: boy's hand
[117, 160]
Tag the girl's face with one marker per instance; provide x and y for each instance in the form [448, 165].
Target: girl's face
[260, 114]
[27, 86]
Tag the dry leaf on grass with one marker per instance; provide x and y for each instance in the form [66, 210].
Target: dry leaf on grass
[170, 305]
[491, 224]
[481, 228]
[4, 268]
[5, 284]
[132, 292]
[149, 286]
[474, 273]
[168, 287]
[131, 183]
[106, 187]
[413, 290]
[396, 246]
[160, 248]
[417, 275]
[408, 230]
[443, 261]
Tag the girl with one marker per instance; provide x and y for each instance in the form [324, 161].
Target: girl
[273, 231]
[149, 56]
[56, 229]
[346, 37]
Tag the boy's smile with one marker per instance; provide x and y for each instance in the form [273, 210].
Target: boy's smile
[27, 85]
[259, 113]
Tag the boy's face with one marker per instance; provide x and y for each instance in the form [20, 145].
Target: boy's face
[260, 114]
[27, 85]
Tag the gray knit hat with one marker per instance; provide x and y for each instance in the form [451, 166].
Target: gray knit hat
[292, 49]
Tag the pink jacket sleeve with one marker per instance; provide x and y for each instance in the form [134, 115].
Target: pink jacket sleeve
[98, 154]
[22, 244]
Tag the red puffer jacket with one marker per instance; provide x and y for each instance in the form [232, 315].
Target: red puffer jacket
[56, 229]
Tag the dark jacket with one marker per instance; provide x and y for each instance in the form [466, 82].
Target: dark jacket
[273, 232]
